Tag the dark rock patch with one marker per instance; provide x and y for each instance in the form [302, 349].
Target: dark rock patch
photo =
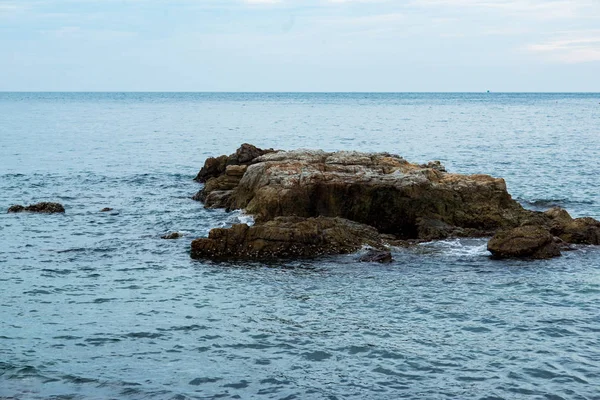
[172, 235]
[43, 207]
[380, 256]
[286, 237]
[216, 166]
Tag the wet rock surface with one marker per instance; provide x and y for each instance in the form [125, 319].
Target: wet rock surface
[43, 207]
[172, 236]
[573, 230]
[402, 201]
[528, 241]
[379, 256]
[287, 237]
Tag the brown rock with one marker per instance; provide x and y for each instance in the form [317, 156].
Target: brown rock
[215, 167]
[212, 167]
[245, 154]
[433, 229]
[406, 203]
[577, 231]
[286, 237]
[43, 207]
[524, 242]
[434, 165]
[377, 189]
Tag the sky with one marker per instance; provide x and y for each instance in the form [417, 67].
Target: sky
[300, 45]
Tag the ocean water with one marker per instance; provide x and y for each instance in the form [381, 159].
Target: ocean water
[96, 306]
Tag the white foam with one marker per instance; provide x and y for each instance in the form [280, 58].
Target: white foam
[238, 217]
[245, 218]
[464, 247]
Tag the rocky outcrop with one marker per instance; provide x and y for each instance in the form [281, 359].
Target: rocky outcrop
[214, 167]
[44, 207]
[223, 174]
[572, 230]
[286, 237]
[402, 201]
[378, 189]
[529, 241]
[545, 235]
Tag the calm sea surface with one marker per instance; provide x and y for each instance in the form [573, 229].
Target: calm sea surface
[96, 306]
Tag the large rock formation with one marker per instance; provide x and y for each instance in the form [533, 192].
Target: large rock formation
[381, 190]
[398, 198]
[44, 207]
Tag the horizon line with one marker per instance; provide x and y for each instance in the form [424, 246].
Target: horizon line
[299, 92]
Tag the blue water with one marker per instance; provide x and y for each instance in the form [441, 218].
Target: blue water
[96, 306]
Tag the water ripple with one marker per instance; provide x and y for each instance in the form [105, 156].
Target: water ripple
[95, 305]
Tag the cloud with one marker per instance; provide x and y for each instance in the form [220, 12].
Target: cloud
[376, 19]
[88, 35]
[7, 8]
[572, 49]
[65, 31]
[536, 9]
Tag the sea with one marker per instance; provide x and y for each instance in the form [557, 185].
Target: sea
[95, 305]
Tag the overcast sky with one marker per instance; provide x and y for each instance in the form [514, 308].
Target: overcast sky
[299, 45]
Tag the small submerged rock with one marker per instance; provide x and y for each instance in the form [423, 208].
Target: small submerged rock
[106, 209]
[172, 235]
[43, 207]
[374, 255]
